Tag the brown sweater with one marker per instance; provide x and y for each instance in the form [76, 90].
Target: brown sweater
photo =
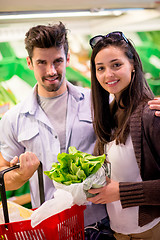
[145, 134]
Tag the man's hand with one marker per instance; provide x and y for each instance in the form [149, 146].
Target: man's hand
[106, 194]
[155, 104]
[28, 165]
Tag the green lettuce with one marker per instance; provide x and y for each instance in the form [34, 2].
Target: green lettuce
[74, 167]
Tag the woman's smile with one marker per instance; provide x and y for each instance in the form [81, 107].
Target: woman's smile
[113, 69]
[112, 83]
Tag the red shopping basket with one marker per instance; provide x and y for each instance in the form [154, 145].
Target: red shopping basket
[66, 225]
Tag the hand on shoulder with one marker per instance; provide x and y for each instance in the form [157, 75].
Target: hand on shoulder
[155, 104]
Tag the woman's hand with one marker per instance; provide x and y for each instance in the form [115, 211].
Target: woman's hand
[106, 194]
[155, 104]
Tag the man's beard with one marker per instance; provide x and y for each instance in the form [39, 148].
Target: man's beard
[53, 87]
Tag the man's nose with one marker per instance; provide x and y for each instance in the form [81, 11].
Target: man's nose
[51, 70]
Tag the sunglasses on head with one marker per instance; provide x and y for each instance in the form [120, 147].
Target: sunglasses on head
[117, 36]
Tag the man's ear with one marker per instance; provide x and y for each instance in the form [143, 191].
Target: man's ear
[68, 59]
[29, 63]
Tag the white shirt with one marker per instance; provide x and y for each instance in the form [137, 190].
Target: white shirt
[124, 168]
[25, 127]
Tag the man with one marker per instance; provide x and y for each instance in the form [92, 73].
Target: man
[54, 116]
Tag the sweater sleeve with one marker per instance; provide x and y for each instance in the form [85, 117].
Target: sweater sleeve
[140, 193]
[146, 192]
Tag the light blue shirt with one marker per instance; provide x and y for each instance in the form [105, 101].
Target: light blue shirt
[25, 127]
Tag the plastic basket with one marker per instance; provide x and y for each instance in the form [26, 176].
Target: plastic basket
[66, 225]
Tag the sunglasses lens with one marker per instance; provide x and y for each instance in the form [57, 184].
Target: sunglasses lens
[117, 36]
[95, 40]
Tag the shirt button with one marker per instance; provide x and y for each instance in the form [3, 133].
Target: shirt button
[56, 137]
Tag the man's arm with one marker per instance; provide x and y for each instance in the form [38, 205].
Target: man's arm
[155, 104]
[16, 178]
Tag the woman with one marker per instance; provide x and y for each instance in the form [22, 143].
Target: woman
[129, 132]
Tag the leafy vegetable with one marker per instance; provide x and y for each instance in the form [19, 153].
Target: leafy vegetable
[74, 167]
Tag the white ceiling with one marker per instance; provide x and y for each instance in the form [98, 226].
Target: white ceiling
[37, 5]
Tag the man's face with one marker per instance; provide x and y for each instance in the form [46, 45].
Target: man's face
[49, 66]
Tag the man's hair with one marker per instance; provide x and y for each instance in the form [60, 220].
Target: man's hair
[43, 36]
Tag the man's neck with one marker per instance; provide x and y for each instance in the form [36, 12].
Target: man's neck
[47, 94]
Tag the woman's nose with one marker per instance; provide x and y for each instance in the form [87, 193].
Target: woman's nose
[108, 72]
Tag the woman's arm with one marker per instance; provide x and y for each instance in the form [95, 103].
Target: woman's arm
[129, 193]
[140, 193]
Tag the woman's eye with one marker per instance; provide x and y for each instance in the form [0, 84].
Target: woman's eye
[117, 65]
[100, 68]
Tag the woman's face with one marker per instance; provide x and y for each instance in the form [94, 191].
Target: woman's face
[113, 70]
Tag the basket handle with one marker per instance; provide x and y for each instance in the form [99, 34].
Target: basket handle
[41, 183]
[3, 191]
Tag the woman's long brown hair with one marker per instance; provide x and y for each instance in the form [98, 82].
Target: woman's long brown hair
[106, 117]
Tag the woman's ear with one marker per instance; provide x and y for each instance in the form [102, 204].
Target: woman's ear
[29, 63]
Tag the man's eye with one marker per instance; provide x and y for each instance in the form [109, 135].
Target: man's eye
[59, 60]
[41, 62]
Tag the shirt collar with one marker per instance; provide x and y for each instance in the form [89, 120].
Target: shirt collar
[30, 104]
[75, 91]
